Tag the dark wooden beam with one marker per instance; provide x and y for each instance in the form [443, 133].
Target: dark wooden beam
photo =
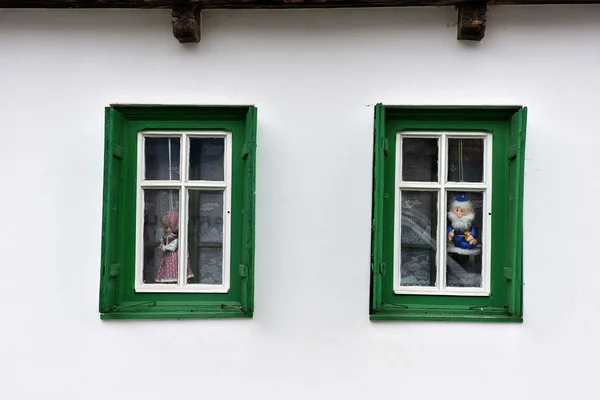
[203, 4]
[471, 21]
[187, 22]
[186, 14]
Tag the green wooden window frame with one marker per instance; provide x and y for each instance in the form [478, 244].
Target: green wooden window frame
[507, 126]
[118, 299]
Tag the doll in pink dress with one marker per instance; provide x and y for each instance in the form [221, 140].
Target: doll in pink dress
[168, 267]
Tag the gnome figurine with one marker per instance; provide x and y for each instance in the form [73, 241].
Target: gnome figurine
[462, 234]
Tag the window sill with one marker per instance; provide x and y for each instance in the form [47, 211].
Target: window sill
[441, 316]
[176, 310]
[175, 315]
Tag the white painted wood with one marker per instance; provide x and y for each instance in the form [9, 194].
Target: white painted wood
[419, 185]
[187, 288]
[188, 184]
[435, 291]
[139, 235]
[466, 186]
[227, 234]
[487, 215]
[442, 186]
[184, 185]
[397, 211]
[161, 133]
[183, 215]
[158, 184]
[441, 231]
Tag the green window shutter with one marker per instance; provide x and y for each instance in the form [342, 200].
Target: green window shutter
[247, 268]
[377, 266]
[111, 209]
[514, 234]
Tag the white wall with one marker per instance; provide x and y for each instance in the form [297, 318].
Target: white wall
[315, 76]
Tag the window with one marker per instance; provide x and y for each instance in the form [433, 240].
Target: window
[178, 214]
[447, 213]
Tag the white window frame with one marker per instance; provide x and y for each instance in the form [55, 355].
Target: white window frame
[442, 186]
[183, 185]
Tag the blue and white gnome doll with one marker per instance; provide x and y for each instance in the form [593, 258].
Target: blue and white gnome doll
[462, 234]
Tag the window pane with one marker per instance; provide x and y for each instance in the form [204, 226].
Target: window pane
[205, 235]
[161, 228]
[207, 159]
[162, 158]
[463, 244]
[418, 243]
[210, 265]
[419, 160]
[465, 160]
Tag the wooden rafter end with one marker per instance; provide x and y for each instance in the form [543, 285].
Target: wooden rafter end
[471, 21]
[187, 23]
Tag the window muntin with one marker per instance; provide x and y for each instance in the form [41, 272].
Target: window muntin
[202, 200]
[463, 159]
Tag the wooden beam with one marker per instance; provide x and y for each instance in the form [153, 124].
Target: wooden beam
[187, 23]
[471, 21]
[203, 4]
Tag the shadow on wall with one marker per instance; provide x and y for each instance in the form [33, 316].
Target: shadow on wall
[315, 22]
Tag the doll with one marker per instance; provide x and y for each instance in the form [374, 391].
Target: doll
[168, 267]
[462, 234]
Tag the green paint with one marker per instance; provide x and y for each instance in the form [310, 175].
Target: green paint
[118, 299]
[516, 160]
[246, 270]
[507, 125]
[111, 208]
[380, 149]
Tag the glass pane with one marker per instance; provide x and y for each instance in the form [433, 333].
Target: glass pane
[210, 265]
[162, 158]
[463, 245]
[465, 160]
[161, 228]
[205, 235]
[418, 243]
[207, 159]
[419, 160]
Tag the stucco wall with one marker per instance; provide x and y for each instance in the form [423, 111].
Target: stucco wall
[315, 76]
